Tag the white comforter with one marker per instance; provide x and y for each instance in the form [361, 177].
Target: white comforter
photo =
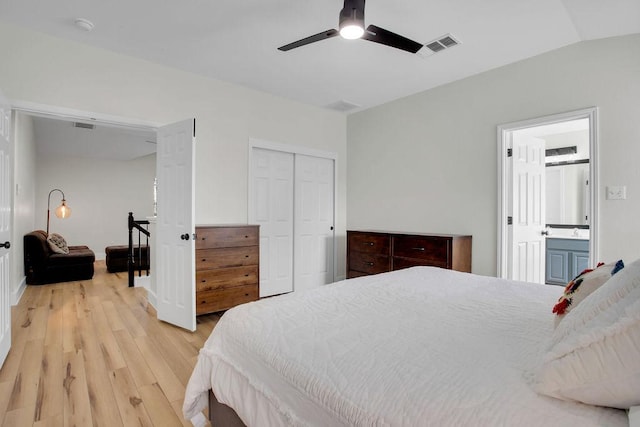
[417, 347]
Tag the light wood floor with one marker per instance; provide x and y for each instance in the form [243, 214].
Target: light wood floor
[93, 353]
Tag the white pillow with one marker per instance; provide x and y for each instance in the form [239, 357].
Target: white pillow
[595, 353]
[57, 243]
[582, 286]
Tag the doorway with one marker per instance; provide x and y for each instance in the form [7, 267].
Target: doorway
[547, 212]
[292, 198]
[104, 170]
[89, 208]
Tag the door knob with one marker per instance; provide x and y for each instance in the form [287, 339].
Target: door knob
[184, 236]
[6, 245]
[544, 232]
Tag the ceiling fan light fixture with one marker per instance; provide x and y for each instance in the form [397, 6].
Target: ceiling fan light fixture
[351, 26]
[351, 22]
[351, 31]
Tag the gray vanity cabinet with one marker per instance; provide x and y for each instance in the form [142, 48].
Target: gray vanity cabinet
[565, 259]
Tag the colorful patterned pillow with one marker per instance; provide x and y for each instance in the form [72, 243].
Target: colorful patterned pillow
[593, 357]
[57, 243]
[583, 285]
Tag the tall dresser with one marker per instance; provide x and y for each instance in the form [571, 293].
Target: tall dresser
[227, 266]
[372, 252]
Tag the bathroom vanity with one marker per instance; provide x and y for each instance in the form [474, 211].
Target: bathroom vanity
[566, 257]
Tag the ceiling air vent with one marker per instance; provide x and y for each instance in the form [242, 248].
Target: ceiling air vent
[83, 125]
[441, 43]
[343, 106]
[435, 46]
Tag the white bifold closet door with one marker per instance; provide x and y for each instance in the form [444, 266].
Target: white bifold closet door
[292, 199]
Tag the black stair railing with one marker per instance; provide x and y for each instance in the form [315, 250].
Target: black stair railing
[137, 258]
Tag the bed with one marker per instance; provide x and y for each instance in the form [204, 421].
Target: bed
[421, 346]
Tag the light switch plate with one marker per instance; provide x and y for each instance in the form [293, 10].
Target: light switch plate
[616, 192]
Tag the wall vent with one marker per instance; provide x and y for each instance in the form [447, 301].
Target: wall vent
[83, 125]
[438, 45]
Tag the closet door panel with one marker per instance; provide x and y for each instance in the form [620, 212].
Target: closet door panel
[313, 222]
[271, 207]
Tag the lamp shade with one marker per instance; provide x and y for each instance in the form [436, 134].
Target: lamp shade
[63, 211]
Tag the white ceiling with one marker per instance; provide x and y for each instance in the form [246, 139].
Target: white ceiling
[107, 142]
[237, 40]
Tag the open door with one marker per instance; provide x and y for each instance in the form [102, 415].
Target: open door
[5, 229]
[175, 264]
[528, 190]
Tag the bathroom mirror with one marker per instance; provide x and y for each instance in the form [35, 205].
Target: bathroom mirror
[568, 193]
[567, 174]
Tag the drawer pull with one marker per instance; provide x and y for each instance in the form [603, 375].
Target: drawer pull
[369, 263]
[418, 249]
[204, 260]
[369, 243]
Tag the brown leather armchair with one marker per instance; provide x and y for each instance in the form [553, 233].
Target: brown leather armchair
[42, 265]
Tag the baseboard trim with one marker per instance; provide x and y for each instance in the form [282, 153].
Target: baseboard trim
[17, 294]
[152, 298]
[142, 281]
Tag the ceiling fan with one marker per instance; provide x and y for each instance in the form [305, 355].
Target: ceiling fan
[351, 26]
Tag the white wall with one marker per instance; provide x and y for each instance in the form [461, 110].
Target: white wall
[45, 70]
[24, 188]
[100, 194]
[428, 162]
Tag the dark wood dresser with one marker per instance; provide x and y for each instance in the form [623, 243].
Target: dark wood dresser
[227, 266]
[372, 252]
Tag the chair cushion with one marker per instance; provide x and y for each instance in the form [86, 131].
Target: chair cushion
[76, 255]
[57, 243]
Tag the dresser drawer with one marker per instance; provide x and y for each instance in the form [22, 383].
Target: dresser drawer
[219, 237]
[369, 263]
[429, 249]
[353, 273]
[227, 257]
[400, 263]
[369, 243]
[223, 278]
[223, 299]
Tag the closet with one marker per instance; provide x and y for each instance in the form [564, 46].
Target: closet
[291, 197]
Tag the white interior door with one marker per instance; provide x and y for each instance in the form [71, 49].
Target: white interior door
[271, 207]
[175, 249]
[528, 189]
[313, 222]
[5, 228]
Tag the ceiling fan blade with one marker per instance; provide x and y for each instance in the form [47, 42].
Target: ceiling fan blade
[311, 39]
[386, 37]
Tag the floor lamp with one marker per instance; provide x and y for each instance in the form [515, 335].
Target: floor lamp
[63, 211]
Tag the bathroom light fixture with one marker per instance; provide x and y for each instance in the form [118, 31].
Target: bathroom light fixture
[63, 211]
[561, 151]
